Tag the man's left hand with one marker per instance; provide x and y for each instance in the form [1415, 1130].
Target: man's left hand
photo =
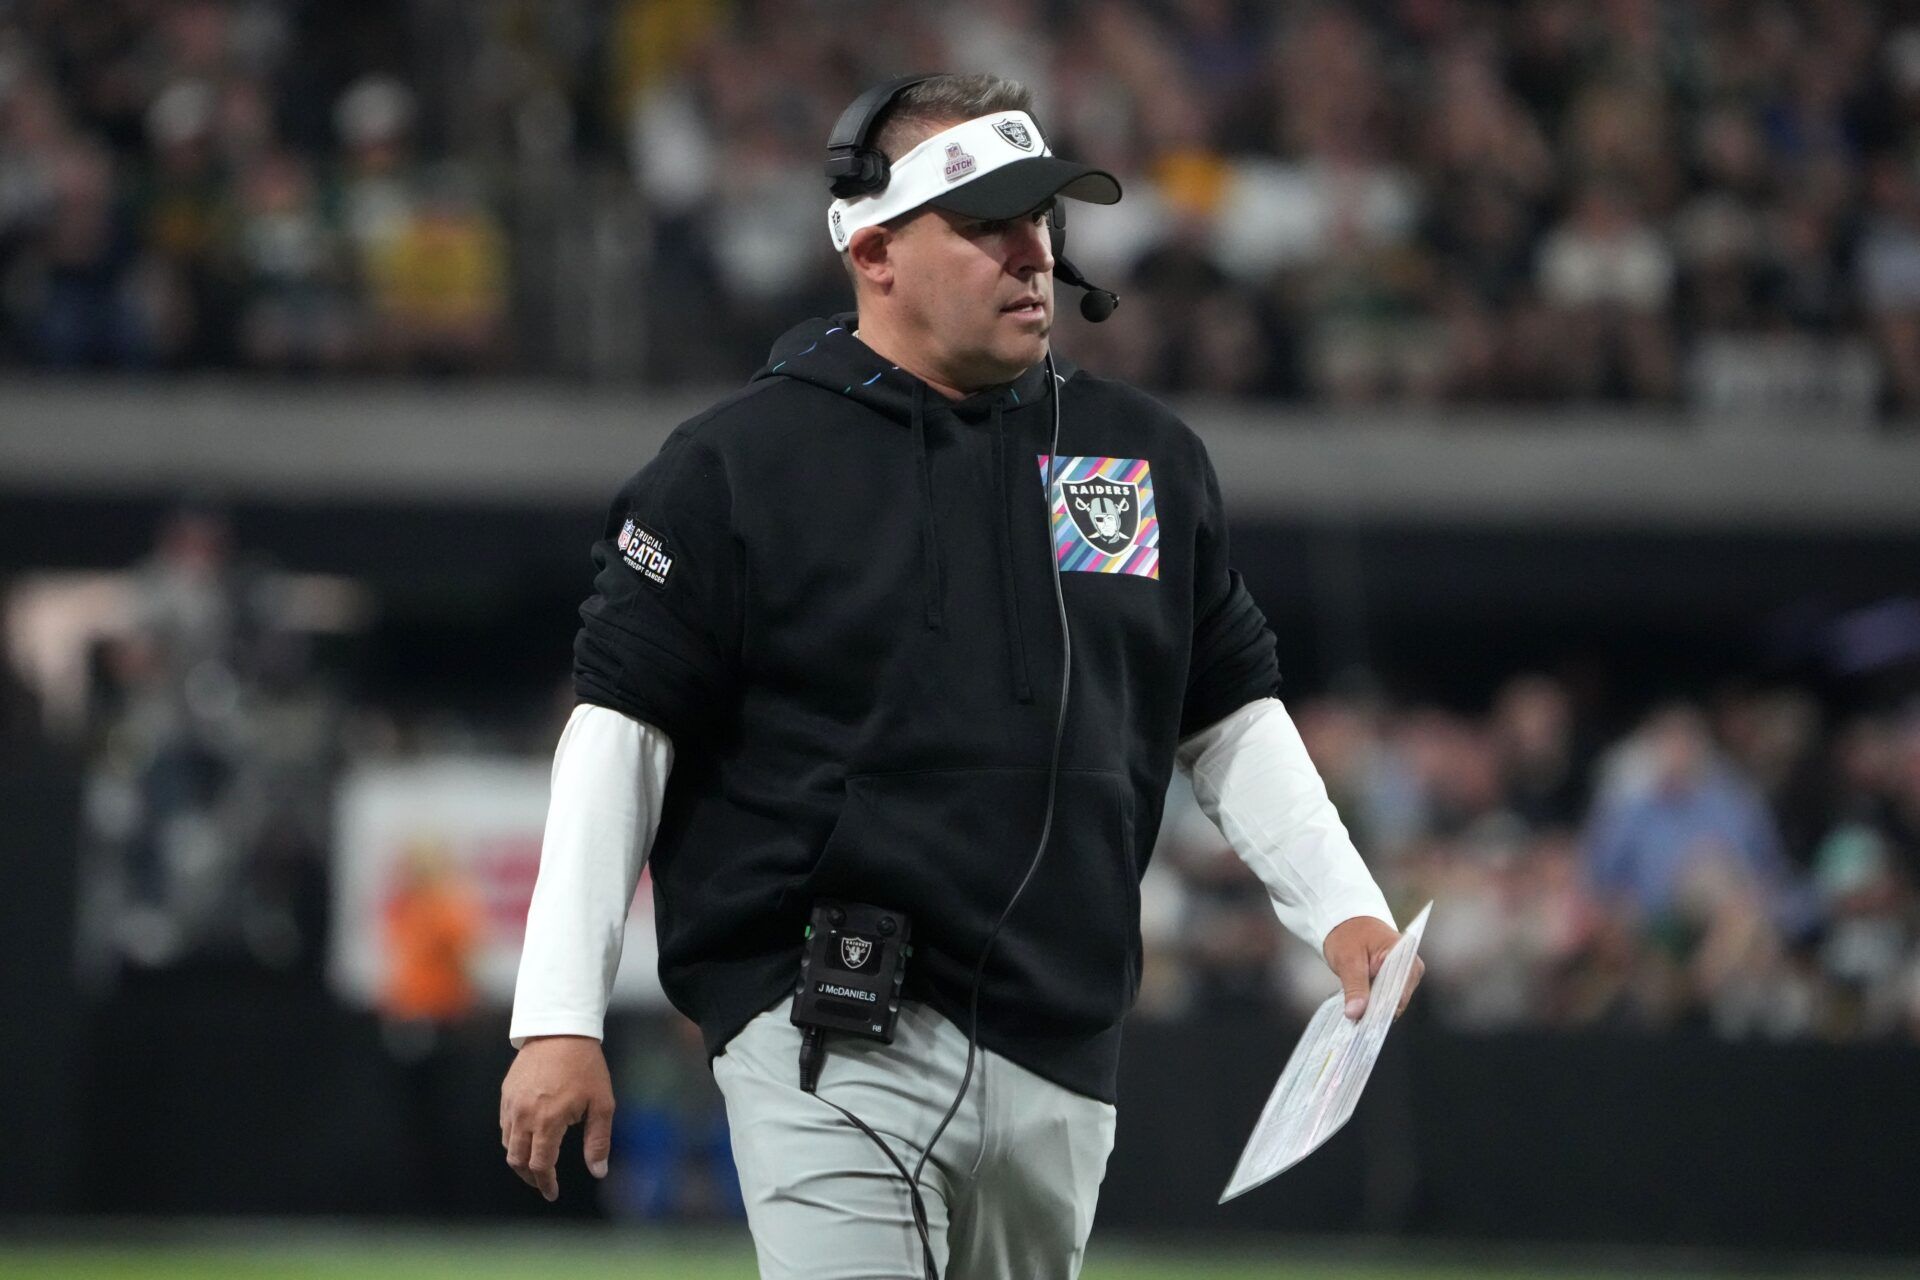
[1354, 951]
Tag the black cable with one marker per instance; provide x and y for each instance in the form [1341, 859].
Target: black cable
[812, 1043]
[813, 1053]
[1046, 825]
[913, 1189]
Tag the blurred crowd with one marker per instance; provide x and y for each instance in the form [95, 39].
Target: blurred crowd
[1714, 203]
[1747, 865]
[211, 735]
[203, 184]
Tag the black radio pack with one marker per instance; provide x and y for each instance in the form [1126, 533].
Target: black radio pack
[852, 968]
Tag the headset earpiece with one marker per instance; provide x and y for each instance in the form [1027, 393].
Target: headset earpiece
[855, 167]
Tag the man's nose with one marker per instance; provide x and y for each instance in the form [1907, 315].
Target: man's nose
[1031, 249]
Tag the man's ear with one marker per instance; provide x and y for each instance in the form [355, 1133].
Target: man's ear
[870, 253]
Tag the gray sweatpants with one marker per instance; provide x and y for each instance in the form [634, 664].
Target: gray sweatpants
[1009, 1191]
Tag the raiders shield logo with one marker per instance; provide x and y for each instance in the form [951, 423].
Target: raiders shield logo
[855, 951]
[1016, 133]
[1104, 518]
[1106, 512]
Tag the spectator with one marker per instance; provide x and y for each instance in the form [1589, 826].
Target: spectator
[1608, 277]
[438, 282]
[296, 313]
[1678, 821]
[432, 925]
[1887, 272]
[1533, 735]
[184, 224]
[79, 283]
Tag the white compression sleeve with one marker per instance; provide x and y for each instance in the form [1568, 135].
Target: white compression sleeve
[1253, 777]
[609, 776]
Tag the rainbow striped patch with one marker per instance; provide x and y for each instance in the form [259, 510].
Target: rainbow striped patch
[1103, 516]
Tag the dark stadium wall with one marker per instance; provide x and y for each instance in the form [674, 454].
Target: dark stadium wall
[40, 1007]
[222, 1089]
[211, 1093]
[1584, 1137]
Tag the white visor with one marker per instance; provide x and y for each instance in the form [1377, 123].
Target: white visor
[995, 166]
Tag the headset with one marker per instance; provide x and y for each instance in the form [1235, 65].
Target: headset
[855, 167]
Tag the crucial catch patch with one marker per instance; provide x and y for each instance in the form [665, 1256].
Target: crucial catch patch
[645, 552]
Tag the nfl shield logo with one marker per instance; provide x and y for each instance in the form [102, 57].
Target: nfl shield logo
[855, 951]
[626, 535]
[959, 163]
[1106, 512]
[1016, 133]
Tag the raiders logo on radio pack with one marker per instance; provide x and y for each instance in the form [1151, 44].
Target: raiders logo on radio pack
[1106, 512]
[855, 952]
[645, 552]
[1016, 133]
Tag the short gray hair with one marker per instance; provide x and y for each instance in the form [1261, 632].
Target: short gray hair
[922, 110]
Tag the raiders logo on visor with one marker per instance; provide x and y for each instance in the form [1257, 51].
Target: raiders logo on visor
[1106, 512]
[1015, 132]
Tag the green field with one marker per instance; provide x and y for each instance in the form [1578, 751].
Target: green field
[303, 1254]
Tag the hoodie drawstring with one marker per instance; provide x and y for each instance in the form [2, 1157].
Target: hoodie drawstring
[1016, 643]
[929, 532]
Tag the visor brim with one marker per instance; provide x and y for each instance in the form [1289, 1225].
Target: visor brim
[1025, 185]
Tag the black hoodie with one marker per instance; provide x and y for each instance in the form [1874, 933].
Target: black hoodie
[832, 592]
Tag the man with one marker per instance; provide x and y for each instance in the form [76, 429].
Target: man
[821, 661]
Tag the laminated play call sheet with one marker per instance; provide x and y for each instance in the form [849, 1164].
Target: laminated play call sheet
[1321, 1084]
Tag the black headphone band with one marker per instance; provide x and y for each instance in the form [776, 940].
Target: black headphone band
[854, 166]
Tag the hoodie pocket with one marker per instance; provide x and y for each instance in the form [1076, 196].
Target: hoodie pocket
[950, 846]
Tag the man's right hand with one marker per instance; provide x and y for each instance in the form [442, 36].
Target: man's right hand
[554, 1082]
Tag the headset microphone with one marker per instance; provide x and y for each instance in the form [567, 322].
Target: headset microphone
[1096, 304]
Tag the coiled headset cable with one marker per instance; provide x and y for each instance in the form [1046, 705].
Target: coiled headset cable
[1040, 850]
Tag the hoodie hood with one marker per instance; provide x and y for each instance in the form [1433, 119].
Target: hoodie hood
[824, 352]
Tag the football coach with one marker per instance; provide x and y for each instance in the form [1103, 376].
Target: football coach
[887, 662]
